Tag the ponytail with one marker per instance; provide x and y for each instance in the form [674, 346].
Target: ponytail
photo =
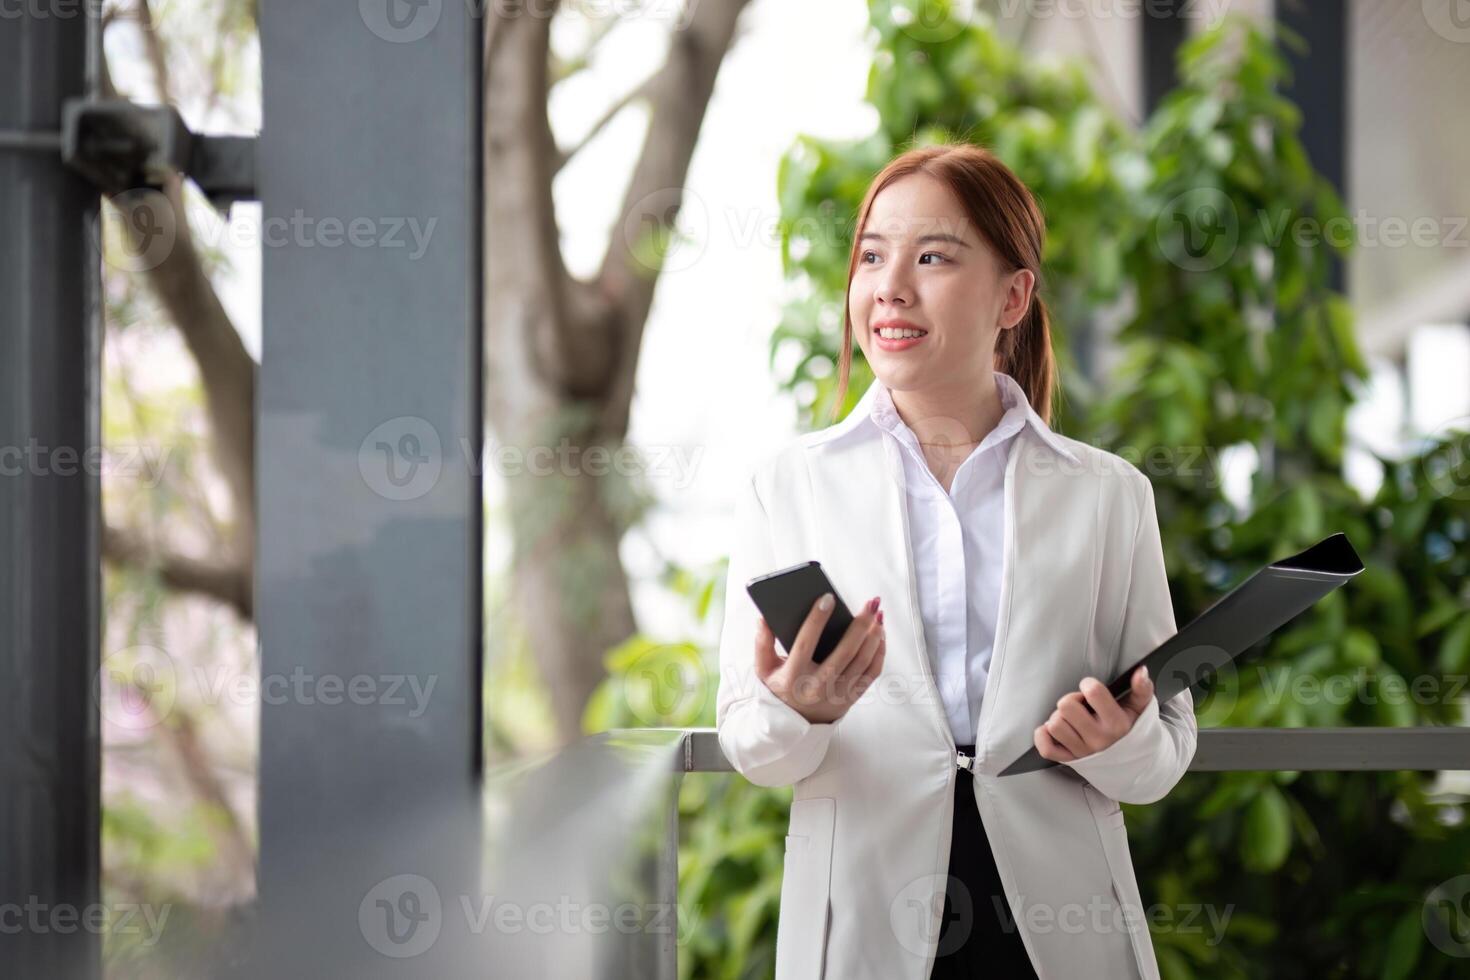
[1025, 353]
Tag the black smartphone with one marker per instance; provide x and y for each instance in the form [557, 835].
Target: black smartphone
[785, 598]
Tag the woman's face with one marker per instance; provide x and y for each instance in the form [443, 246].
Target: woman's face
[921, 260]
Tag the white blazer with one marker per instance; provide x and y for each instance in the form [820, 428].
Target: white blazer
[1083, 593]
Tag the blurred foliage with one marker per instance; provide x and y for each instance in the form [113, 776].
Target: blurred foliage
[1232, 348]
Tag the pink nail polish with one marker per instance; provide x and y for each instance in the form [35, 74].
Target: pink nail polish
[872, 604]
[880, 617]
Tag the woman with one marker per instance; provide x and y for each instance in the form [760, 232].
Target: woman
[1012, 572]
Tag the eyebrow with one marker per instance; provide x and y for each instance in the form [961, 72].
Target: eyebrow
[941, 237]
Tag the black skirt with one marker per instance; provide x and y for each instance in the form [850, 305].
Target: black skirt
[978, 936]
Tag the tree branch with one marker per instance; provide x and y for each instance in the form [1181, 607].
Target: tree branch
[226, 370]
[182, 731]
[178, 727]
[523, 253]
[153, 44]
[565, 156]
[229, 583]
[679, 96]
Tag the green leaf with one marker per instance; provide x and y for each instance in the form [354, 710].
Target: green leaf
[1404, 944]
[1393, 705]
[1360, 648]
[1437, 617]
[1454, 649]
[1266, 835]
[1324, 426]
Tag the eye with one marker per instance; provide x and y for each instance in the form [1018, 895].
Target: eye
[864, 257]
[937, 255]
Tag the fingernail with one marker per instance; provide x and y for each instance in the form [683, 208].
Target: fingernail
[1145, 673]
[872, 604]
[880, 617]
[826, 602]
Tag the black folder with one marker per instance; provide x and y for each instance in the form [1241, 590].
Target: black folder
[1235, 622]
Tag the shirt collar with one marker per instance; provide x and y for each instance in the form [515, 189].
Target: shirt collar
[876, 410]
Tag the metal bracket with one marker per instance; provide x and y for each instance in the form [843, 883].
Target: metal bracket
[119, 145]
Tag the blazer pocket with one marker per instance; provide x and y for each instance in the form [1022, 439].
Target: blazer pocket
[806, 886]
[1106, 809]
[1112, 831]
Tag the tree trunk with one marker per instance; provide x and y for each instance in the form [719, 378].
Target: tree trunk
[561, 354]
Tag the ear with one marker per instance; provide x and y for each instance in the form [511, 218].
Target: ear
[1020, 287]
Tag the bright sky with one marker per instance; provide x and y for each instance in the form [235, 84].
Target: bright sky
[704, 384]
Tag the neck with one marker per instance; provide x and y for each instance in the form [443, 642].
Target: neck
[954, 414]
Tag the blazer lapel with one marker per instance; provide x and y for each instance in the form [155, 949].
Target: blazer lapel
[863, 544]
[1018, 494]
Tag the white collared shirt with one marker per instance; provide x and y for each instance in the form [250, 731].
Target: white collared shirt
[957, 541]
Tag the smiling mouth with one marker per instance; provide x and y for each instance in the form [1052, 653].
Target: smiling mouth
[899, 333]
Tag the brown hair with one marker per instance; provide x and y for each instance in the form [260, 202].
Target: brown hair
[1006, 215]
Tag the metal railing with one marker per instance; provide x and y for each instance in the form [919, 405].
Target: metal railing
[1218, 750]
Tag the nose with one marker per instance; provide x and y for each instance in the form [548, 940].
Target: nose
[893, 288]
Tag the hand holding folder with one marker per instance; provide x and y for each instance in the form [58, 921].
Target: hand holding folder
[1239, 619]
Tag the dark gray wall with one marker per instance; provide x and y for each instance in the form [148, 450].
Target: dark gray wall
[49, 271]
[368, 481]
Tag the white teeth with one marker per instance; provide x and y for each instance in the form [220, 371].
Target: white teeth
[895, 333]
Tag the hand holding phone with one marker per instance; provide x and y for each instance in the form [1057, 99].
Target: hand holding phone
[832, 656]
